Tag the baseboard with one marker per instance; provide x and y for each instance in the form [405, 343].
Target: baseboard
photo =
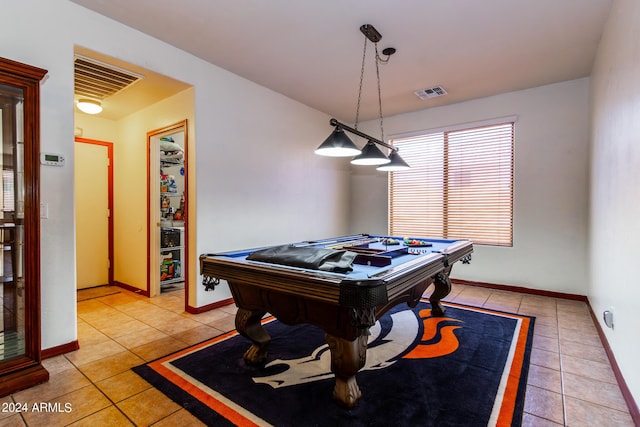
[521, 290]
[131, 288]
[214, 305]
[624, 389]
[60, 349]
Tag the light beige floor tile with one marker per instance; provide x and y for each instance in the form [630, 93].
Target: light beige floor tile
[110, 366]
[90, 306]
[69, 408]
[123, 385]
[581, 413]
[567, 305]
[177, 325]
[117, 329]
[538, 300]
[550, 331]
[588, 368]
[57, 364]
[594, 391]
[108, 417]
[91, 353]
[207, 316]
[544, 404]
[546, 343]
[59, 384]
[197, 334]
[138, 338]
[159, 348]
[224, 324]
[580, 336]
[11, 420]
[88, 335]
[545, 358]
[529, 420]
[148, 407]
[117, 300]
[10, 410]
[583, 351]
[182, 418]
[548, 379]
[473, 296]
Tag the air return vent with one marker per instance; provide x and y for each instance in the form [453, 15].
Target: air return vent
[98, 80]
[430, 92]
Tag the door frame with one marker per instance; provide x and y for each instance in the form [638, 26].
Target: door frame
[109, 146]
[153, 182]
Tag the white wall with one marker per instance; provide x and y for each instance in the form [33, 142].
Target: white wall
[551, 186]
[257, 180]
[615, 184]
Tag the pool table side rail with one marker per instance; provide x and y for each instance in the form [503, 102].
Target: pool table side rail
[319, 285]
[316, 285]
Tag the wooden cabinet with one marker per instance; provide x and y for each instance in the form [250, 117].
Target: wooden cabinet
[20, 353]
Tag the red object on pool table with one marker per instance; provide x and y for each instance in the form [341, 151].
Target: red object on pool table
[343, 305]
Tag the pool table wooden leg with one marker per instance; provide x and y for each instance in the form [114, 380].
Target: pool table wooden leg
[249, 326]
[442, 288]
[347, 358]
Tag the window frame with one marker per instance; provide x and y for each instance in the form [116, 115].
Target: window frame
[501, 233]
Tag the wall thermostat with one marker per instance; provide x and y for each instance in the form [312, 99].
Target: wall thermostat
[52, 159]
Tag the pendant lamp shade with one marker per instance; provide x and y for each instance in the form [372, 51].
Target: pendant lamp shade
[338, 144]
[371, 155]
[396, 163]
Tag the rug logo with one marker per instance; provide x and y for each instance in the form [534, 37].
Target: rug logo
[428, 348]
[385, 346]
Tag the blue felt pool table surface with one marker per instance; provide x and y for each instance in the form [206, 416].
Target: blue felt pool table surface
[434, 248]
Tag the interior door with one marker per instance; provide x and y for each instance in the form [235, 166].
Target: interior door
[167, 209]
[92, 170]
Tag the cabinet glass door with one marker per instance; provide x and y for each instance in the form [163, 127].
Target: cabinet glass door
[12, 325]
[20, 352]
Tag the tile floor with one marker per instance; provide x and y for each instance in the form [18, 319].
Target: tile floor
[570, 379]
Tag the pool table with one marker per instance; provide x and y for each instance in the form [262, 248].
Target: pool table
[386, 271]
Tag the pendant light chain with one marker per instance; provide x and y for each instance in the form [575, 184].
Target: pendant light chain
[364, 55]
[379, 93]
[338, 143]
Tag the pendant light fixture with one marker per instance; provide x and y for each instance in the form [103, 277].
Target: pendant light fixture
[338, 143]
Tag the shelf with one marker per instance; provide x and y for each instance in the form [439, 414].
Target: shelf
[172, 280]
[171, 248]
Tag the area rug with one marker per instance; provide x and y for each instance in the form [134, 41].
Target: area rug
[468, 368]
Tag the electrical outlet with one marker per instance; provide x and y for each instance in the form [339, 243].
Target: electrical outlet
[607, 316]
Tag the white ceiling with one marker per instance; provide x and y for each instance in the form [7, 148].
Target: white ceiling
[311, 51]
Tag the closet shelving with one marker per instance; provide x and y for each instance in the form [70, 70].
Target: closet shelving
[172, 212]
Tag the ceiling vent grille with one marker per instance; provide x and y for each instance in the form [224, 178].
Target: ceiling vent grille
[98, 80]
[431, 92]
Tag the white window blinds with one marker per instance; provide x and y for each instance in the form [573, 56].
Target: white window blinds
[460, 185]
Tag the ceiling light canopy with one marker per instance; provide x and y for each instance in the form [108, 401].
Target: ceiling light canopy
[89, 106]
[338, 143]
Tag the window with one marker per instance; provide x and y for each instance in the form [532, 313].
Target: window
[460, 185]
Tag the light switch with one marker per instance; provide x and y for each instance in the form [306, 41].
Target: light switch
[44, 210]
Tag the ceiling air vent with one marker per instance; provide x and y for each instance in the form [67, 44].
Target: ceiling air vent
[430, 92]
[98, 80]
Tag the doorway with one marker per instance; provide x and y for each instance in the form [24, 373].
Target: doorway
[167, 214]
[94, 205]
